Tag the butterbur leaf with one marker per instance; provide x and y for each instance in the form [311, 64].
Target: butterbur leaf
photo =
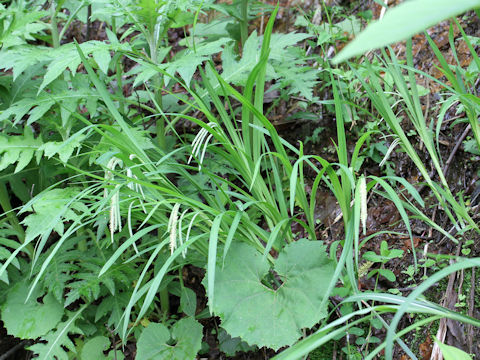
[265, 316]
[57, 344]
[31, 319]
[94, 348]
[230, 346]
[154, 342]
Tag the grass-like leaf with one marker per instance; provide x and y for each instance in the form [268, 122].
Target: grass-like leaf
[403, 21]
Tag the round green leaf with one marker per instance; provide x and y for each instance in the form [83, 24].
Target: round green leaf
[154, 342]
[94, 348]
[32, 319]
[264, 316]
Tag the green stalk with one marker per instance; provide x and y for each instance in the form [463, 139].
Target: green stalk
[118, 76]
[244, 21]
[160, 122]
[53, 20]
[12, 218]
[164, 300]
[89, 14]
[158, 86]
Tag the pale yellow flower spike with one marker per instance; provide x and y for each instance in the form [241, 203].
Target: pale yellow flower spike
[363, 203]
[172, 227]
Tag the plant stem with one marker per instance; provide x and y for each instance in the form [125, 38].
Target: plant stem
[164, 301]
[53, 22]
[244, 22]
[89, 14]
[12, 218]
[160, 122]
[158, 86]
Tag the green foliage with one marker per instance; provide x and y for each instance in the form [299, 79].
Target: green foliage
[385, 255]
[57, 343]
[5, 253]
[51, 209]
[452, 353]
[286, 63]
[19, 150]
[154, 342]
[31, 319]
[230, 346]
[129, 161]
[188, 301]
[20, 24]
[402, 22]
[263, 315]
[94, 349]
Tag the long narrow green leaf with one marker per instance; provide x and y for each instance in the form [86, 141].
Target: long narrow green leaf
[137, 291]
[125, 245]
[402, 22]
[461, 264]
[111, 106]
[152, 287]
[231, 233]
[325, 334]
[212, 260]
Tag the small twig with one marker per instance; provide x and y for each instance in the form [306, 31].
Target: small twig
[455, 149]
[447, 166]
[471, 305]
[382, 12]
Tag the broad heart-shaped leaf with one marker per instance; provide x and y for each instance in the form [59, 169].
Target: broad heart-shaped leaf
[32, 319]
[57, 343]
[263, 316]
[403, 21]
[153, 343]
[94, 348]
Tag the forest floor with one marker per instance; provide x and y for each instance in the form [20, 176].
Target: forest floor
[315, 128]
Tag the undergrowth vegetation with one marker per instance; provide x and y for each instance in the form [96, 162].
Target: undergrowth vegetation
[153, 209]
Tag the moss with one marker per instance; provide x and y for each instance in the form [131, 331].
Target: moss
[324, 352]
